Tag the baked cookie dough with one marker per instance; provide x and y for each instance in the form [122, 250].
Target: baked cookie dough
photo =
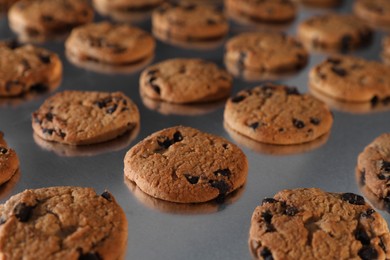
[320, 3]
[25, 67]
[189, 22]
[185, 81]
[114, 44]
[376, 12]
[85, 117]
[351, 79]
[9, 161]
[386, 50]
[266, 52]
[277, 114]
[334, 32]
[62, 223]
[313, 224]
[48, 17]
[184, 165]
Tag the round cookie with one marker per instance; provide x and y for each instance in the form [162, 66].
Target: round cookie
[123, 9]
[320, 3]
[373, 165]
[313, 224]
[107, 43]
[185, 81]
[184, 165]
[189, 22]
[386, 50]
[9, 162]
[62, 223]
[273, 11]
[266, 52]
[26, 67]
[48, 17]
[351, 79]
[85, 117]
[277, 114]
[334, 32]
[376, 12]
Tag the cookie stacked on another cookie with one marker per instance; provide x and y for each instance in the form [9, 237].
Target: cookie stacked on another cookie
[62, 223]
[9, 161]
[313, 224]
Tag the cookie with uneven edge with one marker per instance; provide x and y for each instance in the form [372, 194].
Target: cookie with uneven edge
[351, 79]
[103, 42]
[386, 50]
[48, 17]
[184, 165]
[85, 117]
[62, 223]
[266, 51]
[277, 114]
[189, 22]
[118, 9]
[314, 224]
[320, 3]
[273, 11]
[334, 32]
[373, 165]
[26, 67]
[185, 81]
[376, 12]
[9, 161]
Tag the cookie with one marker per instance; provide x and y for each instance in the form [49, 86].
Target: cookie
[189, 22]
[386, 50]
[62, 223]
[85, 117]
[266, 52]
[352, 79]
[334, 32]
[9, 161]
[314, 224]
[26, 67]
[320, 3]
[114, 44]
[185, 81]
[273, 11]
[48, 17]
[6, 4]
[184, 165]
[277, 114]
[376, 12]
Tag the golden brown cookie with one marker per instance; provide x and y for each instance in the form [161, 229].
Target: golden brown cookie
[184, 165]
[376, 12]
[314, 224]
[277, 114]
[386, 50]
[62, 223]
[320, 3]
[9, 161]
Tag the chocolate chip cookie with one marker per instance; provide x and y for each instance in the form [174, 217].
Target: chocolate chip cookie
[273, 11]
[334, 32]
[85, 117]
[277, 114]
[184, 165]
[320, 3]
[9, 162]
[48, 17]
[352, 79]
[376, 12]
[62, 223]
[386, 50]
[25, 67]
[266, 52]
[185, 81]
[189, 22]
[114, 44]
[314, 224]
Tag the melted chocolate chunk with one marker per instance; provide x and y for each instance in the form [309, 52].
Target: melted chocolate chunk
[223, 172]
[267, 216]
[107, 196]
[49, 116]
[47, 130]
[90, 256]
[368, 253]
[225, 146]
[353, 198]
[266, 254]
[385, 166]
[298, 123]
[177, 137]
[155, 87]
[165, 142]
[292, 91]
[221, 185]
[23, 212]
[339, 71]
[112, 109]
[103, 103]
[362, 236]
[254, 126]
[238, 98]
[268, 200]
[192, 179]
[3, 150]
[315, 121]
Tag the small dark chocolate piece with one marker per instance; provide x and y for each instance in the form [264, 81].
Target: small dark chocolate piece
[362, 236]
[90, 256]
[266, 254]
[223, 172]
[339, 71]
[177, 137]
[353, 198]
[290, 211]
[192, 179]
[23, 212]
[298, 123]
[368, 253]
[268, 200]
[254, 125]
[238, 98]
[3, 150]
[315, 121]
[107, 196]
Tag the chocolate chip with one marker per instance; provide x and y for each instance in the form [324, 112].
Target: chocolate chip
[23, 212]
[225, 146]
[333, 60]
[385, 166]
[266, 254]
[107, 196]
[192, 179]
[362, 236]
[290, 211]
[238, 98]
[367, 213]
[177, 137]
[368, 253]
[362, 180]
[90, 256]
[346, 42]
[223, 172]
[353, 198]
[47, 130]
[339, 71]
[155, 87]
[3, 150]
[292, 91]
[267, 216]
[315, 121]
[281, 129]
[298, 123]
[374, 101]
[221, 185]
[254, 126]
[103, 103]
[165, 143]
[49, 116]
[211, 22]
[268, 200]
[44, 58]
[112, 109]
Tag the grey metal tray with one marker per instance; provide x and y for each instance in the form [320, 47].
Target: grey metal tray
[159, 230]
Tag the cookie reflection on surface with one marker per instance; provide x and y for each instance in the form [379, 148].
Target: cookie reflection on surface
[275, 149]
[166, 108]
[126, 16]
[352, 107]
[183, 208]
[7, 187]
[64, 150]
[105, 68]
